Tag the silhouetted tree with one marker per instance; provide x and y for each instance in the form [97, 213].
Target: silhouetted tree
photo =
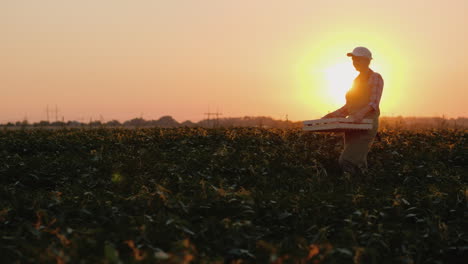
[95, 124]
[42, 123]
[113, 123]
[188, 123]
[136, 122]
[74, 123]
[167, 121]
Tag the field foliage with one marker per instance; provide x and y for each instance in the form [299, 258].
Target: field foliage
[237, 195]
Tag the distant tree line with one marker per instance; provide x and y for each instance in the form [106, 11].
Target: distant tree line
[166, 122]
[246, 121]
[412, 123]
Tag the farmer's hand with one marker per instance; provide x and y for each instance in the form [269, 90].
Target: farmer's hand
[358, 117]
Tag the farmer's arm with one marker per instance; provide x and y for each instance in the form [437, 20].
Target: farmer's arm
[359, 115]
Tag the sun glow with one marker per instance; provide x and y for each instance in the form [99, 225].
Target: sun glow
[324, 73]
[338, 80]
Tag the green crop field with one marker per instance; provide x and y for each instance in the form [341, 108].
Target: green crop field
[237, 195]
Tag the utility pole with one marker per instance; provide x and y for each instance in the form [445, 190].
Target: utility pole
[208, 114]
[56, 113]
[47, 111]
[217, 114]
[216, 121]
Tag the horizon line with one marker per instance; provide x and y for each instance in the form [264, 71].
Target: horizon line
[91, 119]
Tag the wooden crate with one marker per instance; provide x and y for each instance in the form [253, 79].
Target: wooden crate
[336, 125]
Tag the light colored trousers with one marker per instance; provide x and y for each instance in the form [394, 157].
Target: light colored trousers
[357, 144]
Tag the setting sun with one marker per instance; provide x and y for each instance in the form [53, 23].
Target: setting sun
[338, 80]
[325, 73]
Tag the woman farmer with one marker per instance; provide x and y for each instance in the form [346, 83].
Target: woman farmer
[362, 101]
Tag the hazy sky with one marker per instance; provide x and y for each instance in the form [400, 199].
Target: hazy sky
[123, 59]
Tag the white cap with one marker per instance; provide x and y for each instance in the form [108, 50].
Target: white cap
[361, 52]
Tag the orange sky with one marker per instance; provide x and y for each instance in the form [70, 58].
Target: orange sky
[124, 59]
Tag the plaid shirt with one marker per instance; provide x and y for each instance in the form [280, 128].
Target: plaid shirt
[376, 83]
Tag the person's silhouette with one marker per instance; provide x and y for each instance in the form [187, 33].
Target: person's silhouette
[362, 101]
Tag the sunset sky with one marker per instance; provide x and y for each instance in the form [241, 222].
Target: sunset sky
[124, 59]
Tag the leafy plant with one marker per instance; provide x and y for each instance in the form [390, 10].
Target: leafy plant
[237, 195]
